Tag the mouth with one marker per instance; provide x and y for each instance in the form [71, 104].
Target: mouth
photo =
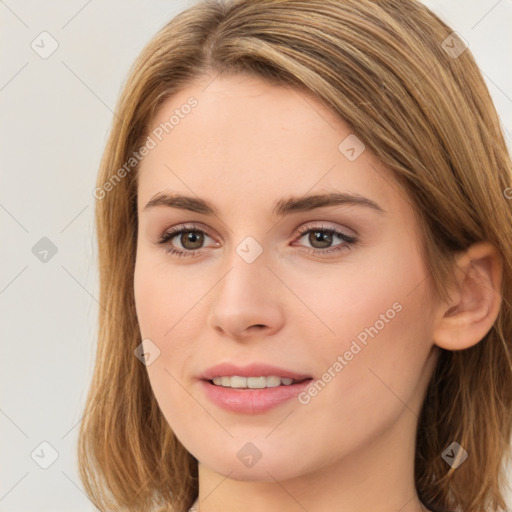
[253, 389]
[253, 375]
[261, 382]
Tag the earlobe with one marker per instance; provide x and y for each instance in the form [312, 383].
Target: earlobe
[475, 305]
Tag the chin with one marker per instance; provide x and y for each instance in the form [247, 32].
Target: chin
[270, 464]
[260, 472]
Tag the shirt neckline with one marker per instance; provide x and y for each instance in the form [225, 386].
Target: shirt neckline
[194, 507]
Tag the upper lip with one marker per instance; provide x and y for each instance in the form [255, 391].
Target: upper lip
[252, 370]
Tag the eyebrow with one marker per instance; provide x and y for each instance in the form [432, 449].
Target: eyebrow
[281, 207]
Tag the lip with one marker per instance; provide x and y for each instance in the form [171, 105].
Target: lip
[251, 401]
[252, 370]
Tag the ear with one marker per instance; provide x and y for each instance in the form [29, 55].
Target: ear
[475, 304]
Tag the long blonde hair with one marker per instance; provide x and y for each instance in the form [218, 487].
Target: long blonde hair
[388, 69]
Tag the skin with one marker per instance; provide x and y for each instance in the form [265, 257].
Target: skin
[351, 448]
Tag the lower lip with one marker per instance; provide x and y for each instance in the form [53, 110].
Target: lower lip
[252, 401]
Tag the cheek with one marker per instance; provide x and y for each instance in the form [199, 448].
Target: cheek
[164, 300]
[168, 311]
[382, 321]
[149, 303]
[382, 327]
[376, 289]
[166, 317]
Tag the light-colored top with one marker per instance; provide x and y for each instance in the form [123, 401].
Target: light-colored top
[195, 506]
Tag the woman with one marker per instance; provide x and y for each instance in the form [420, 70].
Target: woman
[305, 250]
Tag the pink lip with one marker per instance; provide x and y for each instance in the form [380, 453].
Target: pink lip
[251, 401]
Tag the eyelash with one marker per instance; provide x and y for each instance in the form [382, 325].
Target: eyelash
[165, 239]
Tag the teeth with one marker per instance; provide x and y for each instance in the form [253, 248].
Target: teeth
[252, 382]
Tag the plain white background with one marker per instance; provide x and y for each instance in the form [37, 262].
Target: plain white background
[56, 114]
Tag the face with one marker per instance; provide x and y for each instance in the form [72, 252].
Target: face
[331, 293]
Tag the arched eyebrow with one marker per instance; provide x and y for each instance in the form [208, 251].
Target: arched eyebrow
[282, 207]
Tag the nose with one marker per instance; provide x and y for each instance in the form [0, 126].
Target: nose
[247, 301]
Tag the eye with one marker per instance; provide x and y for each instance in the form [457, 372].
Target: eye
[321, 238]
[191, 238]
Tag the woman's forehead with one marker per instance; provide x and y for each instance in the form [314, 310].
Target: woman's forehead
[249, 137]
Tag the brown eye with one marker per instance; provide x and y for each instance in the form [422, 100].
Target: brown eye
[191, 240]
[321, 239]
[184, 241]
